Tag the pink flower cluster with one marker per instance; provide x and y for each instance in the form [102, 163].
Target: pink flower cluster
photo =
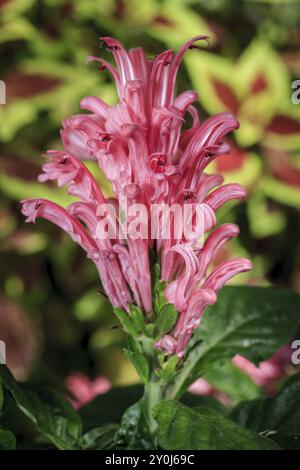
[266, 375]
[144, 150]
[268, 372]
[83, 390]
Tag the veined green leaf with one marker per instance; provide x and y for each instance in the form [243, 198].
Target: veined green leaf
[167, 317]
[181, 427]
[251, 321]
[138, 318]
[126, 322]
[140, 364]
[52, 415]
[7, 440]
[99, 438]
[277, 415]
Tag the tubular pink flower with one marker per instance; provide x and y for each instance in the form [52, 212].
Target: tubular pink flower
[95, 105]
[66, 169]
[176, 292]
[168, 344]
[78, 130]
[33, 208]
[213, 243]
[140, 146]
[190, 319]
[268, 372]
[225, 271]
[114, 164]
[189, 133]
[226, 193]
[83, 390]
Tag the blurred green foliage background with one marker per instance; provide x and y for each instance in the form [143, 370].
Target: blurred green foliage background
[53, 316]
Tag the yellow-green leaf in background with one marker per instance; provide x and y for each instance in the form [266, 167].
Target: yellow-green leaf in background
[263, 222]
[281, 192]
[252, 87]
[173, 24]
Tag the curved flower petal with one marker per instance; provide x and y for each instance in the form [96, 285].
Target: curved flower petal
[66, 169]
[225, 271]
[225, 193]
[33, 208]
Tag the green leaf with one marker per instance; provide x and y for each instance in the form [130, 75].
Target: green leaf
[246, 173]
[134, 431]
[7, 440]
[17, 188]
[53, 416]
[251, 321]
[11, 9]
[169, 369]
[280, 191]
[287, 441]
[56, 418]
[181, 23]
[126, 321]
[159, 299]
[228, 378]
[264, 222]
[167, 317]
[140, 364]
[205, 69]
[138, 318]
[17, 28]
[228, 86]
[203, 401]
[150, 329]
[183, 428]
[134, 345]
[155, 274]
[280, 414]
[99, 438]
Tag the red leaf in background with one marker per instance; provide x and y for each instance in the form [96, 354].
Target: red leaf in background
[226, 95]
[281, 124]
[282, 168]
[259, 84]
[231, 162]
[120, 9]
[288, 174]
[162, 20]
[21, 85]
[13, 165]
[291, 60]
[3, 2]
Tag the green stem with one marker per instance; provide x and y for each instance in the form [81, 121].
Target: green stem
[153, 391]
[152, 395]
[178, 388]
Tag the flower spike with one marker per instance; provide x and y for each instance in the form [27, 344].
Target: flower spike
[150, 161]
